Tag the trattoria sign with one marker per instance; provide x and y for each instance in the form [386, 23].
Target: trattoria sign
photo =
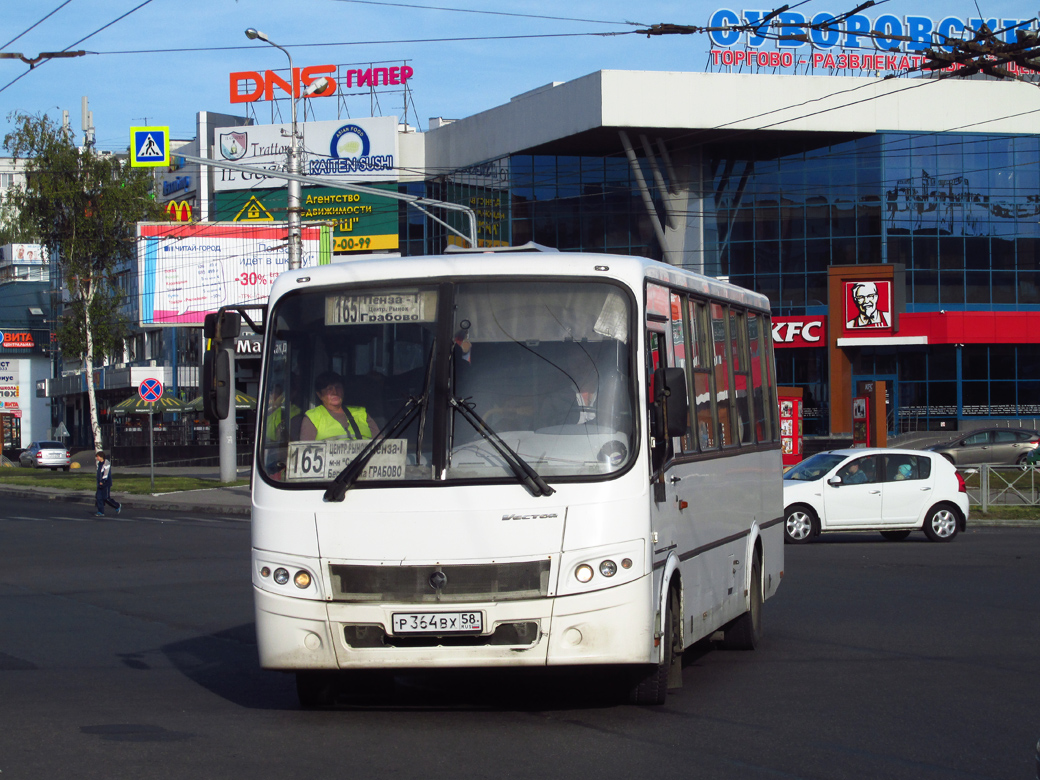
[849, 45]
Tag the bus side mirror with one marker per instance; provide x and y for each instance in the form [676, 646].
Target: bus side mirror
[216, 384]
[222, 325]
[670, 400]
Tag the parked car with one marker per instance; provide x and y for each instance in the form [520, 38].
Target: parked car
[997, 446]
[891, 491]
[46, 454]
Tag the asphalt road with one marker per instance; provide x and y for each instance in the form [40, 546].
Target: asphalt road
[127, 650]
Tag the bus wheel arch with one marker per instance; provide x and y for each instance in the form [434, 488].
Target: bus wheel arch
[745, 632]
[650, 684]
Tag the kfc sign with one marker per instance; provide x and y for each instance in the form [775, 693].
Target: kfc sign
[799, 331]
[868, 306]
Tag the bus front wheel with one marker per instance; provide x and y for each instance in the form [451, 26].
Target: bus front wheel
[650, 686]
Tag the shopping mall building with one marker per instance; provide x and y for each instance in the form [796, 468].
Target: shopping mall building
[894, 224]
[801, 188]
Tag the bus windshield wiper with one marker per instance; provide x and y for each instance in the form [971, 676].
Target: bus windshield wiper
[523, 470]
[346, 478]
[412, 407]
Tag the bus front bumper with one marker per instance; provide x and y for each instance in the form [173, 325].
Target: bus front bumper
[609, 626]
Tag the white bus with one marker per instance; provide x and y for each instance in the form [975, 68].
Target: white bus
[512, 459]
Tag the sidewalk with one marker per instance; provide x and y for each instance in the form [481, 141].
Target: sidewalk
[232, 502]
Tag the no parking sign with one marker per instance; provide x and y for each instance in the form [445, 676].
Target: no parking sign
[150, 390]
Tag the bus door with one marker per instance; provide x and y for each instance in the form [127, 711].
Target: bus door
[673, 510]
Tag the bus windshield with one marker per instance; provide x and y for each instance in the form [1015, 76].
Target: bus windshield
[458, 381]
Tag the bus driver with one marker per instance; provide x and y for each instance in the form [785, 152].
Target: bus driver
[331, 418]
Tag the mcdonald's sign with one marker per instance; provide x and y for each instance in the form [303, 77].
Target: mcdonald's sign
[178, 211]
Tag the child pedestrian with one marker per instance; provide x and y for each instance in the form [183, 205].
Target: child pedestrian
[103, 495]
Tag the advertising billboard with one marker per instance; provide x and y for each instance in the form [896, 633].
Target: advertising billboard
[352, 150]
[361, 222]
[187, 271]
[22, 254]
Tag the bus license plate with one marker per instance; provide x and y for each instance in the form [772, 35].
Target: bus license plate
[437, 622]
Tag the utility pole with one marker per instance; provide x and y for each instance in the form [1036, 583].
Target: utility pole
[88, 125]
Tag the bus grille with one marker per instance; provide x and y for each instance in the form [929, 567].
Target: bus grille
[459, 582]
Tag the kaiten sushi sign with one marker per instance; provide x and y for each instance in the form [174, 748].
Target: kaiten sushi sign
[849, 46]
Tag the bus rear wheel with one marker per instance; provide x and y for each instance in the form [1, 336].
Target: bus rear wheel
[745, 632]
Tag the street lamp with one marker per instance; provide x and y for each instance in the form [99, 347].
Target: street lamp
[293, 162]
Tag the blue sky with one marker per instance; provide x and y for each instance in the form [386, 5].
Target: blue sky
[166, 59]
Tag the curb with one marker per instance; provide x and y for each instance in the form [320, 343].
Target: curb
[136, 501]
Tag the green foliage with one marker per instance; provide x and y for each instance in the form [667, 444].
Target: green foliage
[109, 326]
[14, 229]
[83, 206]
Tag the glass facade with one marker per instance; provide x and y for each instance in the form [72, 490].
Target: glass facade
[961, 212]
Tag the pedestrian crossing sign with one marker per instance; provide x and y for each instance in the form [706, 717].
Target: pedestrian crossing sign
[150, 147]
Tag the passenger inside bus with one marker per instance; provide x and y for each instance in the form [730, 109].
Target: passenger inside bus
[331, 418]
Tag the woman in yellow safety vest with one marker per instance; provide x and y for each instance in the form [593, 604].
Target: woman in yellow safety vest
[332, 418]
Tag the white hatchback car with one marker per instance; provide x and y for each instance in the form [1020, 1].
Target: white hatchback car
[891, 491]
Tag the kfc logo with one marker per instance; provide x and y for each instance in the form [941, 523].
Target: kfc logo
[868, 305]
[799, 331]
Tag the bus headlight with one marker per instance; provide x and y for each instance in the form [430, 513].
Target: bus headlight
[606, 566]
[281, 576]
[302, 579]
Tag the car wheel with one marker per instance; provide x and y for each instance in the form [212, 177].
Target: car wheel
[895, 536]
[940, 524]
[651, 686]
[745, 632]
[64, 468]
[949, 458]
[800, 524]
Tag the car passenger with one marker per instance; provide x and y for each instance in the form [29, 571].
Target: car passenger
[854, 475]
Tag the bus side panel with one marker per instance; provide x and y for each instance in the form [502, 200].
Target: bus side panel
[724, 498]
[772, 526]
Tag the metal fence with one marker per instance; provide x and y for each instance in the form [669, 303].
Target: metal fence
[1002, 485]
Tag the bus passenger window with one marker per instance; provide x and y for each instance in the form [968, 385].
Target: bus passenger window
[702, 393]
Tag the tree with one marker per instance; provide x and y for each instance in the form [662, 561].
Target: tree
[84, 207]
